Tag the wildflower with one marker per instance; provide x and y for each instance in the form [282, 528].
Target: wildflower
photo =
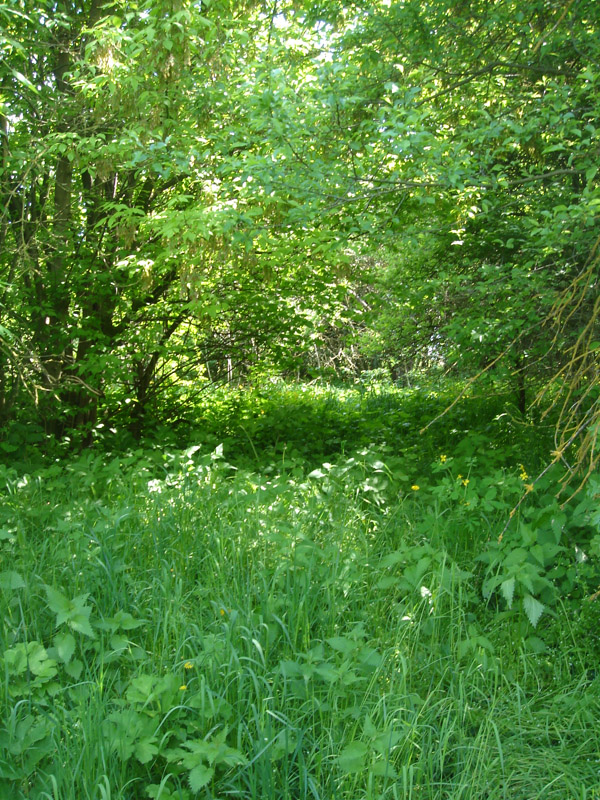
[182, 688]
[465, 482]
[459, 477]
[188, 665]
[529, 487]
[443, 459]
[222, 612]
[524, 474]
[415, 488]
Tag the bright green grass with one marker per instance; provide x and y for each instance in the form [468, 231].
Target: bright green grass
[321, 420]
[174, 627]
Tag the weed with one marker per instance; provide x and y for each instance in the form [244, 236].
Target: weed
[273, 623]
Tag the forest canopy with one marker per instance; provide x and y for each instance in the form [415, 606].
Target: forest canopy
[196, 191]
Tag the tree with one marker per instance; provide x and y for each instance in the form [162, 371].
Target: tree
[189, 183]
[473, 141]
[125, 254]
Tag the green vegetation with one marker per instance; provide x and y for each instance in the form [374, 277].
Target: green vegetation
[299, 334]
[259, 622]
[197, 191]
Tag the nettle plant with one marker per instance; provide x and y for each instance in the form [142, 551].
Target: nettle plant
[548, 552]
[534, 551]
[172, 724]
[538, 551]
[77, 658]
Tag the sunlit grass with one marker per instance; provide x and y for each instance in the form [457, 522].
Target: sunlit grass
[290, 629]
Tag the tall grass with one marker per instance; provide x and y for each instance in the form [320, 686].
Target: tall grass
[175, 626]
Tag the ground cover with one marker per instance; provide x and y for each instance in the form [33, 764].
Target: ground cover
[325, 603]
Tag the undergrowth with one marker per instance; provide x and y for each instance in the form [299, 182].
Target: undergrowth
[409, 617]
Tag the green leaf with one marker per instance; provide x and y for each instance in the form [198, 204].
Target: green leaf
[119, 642]
[352, 758]
[535, 645]
[393, 558]
[342, 644]
[126, 621]
[145, 750]
[383, 769]
[533, 608]
[74, 669]
[200, 776]
[157, 791]
[327, 672]
[290, 669]
[15, 659]
[11, 580]
[58, 603]
[65, 646]
[385, 742]
[31, 656]
[386, 582]
[81, 624]
[508, 590]
[25, 81]
[141, 688]
[41, 665]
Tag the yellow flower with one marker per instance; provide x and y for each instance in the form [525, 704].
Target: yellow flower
[182, 688]
[465, 482]
[188, 665]
[459, 477]
[443, 459]
[529, 487]
[415, 488]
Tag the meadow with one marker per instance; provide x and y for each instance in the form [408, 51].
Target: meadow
[302, 596]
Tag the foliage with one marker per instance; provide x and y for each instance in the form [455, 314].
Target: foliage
[131, 244]
[192, 192]
[266, 623]
[217, 582]
[485, 164]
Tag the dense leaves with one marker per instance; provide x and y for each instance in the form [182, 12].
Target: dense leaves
[192, 190]
[270, 618]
